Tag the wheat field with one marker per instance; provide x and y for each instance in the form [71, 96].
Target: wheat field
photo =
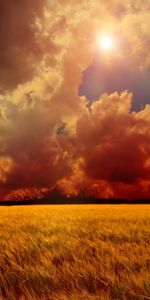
[75, 252]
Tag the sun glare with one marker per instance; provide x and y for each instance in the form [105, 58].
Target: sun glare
[105, 42]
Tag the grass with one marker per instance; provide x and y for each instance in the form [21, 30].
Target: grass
[75, 252]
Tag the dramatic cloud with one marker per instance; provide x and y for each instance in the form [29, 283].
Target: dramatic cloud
[114, 146]
[45, 46]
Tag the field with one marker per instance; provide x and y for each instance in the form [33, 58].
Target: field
[75, 252]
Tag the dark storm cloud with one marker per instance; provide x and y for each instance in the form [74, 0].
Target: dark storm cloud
[22, 43]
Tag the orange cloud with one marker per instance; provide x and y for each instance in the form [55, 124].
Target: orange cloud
[46, 46]
[114, 146]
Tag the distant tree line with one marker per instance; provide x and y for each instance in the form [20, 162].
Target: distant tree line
[56, 196]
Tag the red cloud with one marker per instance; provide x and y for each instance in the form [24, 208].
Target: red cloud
[114, 145]
[44, 49]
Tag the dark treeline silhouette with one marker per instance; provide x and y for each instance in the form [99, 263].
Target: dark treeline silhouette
[56, 196]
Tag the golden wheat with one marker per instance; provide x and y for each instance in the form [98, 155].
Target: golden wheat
[75, 252]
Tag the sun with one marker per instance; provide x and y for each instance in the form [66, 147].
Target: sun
[105, 42]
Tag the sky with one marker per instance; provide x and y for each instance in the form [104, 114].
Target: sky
[98, 79]
[71, 114]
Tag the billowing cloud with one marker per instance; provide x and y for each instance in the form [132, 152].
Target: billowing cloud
[114, 146]
[45, 47]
